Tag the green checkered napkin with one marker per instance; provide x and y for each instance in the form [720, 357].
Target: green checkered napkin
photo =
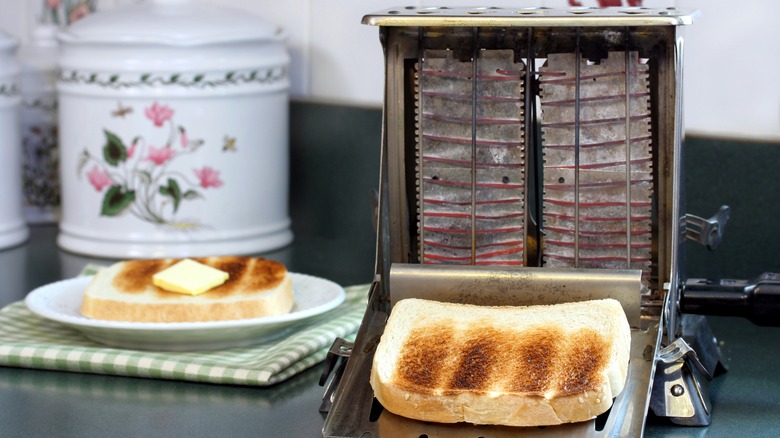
[29, 341]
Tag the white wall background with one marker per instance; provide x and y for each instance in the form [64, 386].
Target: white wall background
[732, 54]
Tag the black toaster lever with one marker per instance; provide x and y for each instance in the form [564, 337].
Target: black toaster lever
[757, 300]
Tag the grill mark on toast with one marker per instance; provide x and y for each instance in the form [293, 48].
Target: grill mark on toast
[423, 357]
[534, 362]
[588, 354]
[247, 274]
[534, 359]
[265, 274]
[237, 268]
[135, 276]
[477, 362]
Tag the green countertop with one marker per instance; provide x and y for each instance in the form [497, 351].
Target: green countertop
[35, 403]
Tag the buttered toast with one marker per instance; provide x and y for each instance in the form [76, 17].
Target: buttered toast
[513, 366]
[124, 291]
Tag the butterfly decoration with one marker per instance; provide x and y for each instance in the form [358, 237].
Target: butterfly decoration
[187, 142]
[229, 144]
[121, 111]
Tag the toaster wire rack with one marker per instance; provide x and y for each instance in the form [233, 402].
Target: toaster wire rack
[538, 145]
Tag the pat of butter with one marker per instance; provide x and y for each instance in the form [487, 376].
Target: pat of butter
[189, 277]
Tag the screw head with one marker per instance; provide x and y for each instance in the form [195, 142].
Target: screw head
[677, 390]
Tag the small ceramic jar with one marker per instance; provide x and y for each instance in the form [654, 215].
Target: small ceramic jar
[13, 229]
[40, 154]
[173, 120]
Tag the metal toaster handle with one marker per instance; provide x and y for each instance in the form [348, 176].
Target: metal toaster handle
[708, 232]
[757, 300]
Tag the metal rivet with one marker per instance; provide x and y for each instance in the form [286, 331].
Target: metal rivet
[677, 390]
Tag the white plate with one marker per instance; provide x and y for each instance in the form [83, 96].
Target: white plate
[61, 302]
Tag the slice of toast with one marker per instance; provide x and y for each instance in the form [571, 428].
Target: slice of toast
[513, 366]
[124, 291]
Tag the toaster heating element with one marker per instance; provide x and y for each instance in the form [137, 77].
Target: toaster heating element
[533, 137]
[471, 159]
[530, 156]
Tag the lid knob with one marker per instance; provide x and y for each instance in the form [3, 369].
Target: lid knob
[45, 35]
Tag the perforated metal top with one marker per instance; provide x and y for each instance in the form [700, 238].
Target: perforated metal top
[529, 17]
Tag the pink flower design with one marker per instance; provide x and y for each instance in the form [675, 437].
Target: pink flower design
[159, 113]
[160, 155]
[99, 178]
[185, 141]
[53, 4]
[131, 151]
[78, 12]
[208, 177]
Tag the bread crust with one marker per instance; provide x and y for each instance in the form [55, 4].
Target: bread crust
[452, 363]
[124, 292]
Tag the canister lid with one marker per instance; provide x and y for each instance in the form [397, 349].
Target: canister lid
[170, 22]
[41, 51]
[8, 65]
[7, 42]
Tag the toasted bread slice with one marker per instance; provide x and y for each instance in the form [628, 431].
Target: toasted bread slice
[513, 366]
[124, 292]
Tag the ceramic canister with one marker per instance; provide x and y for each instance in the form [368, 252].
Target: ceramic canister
[40, 154]
[173, 119]
[13, 229]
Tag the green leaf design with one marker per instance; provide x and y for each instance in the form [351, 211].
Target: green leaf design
[116, 200]
[114, 151]
[83, 160]
[198, 78]
[191, 194]
[174, 191]
[144, 176]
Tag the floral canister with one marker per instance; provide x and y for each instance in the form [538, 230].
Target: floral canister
[40, 154]
[173, 118]
[13, 229]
